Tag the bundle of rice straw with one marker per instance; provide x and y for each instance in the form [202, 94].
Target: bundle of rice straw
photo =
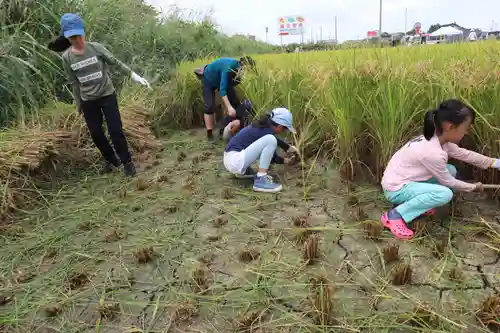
[23, 151]
[64, 137]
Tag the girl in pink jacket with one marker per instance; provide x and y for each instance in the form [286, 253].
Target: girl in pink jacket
[418, 178]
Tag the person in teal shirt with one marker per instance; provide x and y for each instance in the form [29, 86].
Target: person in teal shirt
[223, 75]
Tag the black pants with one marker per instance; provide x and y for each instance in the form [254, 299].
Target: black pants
[93, 112]
[209, 96]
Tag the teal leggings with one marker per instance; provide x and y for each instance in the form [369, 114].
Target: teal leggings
[416, 198]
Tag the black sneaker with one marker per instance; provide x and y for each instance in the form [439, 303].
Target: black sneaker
[210, 136]
[129, 169]
[108, 167]
[249, 174]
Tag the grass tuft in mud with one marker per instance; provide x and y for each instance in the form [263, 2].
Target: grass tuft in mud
[391, 253]
[200, 279]
[52, 310]
[248, 255]
[489, 312]
[322, 301]
[456, 274]
[144, 255]
[310, 251]
[439, 248]
[401, 274]
[373, 230]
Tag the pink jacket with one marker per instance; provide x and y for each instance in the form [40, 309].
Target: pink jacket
[420, 160]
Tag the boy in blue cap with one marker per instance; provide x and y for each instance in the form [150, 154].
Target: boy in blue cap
[223, 74]
[258, 141]
[86, 65]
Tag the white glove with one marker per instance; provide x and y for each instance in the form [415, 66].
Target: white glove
[292, 149]
[496, 164]
[140, 80]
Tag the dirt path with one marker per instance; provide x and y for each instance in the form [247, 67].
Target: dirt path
[187, 248]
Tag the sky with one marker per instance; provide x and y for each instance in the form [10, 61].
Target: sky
[354, 17]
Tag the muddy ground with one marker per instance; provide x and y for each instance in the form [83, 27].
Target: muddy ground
[187, 248]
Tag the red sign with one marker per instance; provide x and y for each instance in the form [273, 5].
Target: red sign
[372, 33]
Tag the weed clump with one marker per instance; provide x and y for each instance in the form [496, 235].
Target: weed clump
[301, 221]
[489, 312]
[357, 214]
[112, 236]
[391, 253]
[401, 274]
[5, 300]
[200, 280]
[219, 222]
[185, 311]
[227, 193]
[142, 184]
[162, 179]
[53, 310]
[144, 255]
[310, 250]
[248, 255]
[352, 201]
[108, 310]
[181, 157]
[419, 226]
[248, 321]
[122, 193]
[456, 274]
[22, 276]
[373, 230]
[322, 301]
[77, 280]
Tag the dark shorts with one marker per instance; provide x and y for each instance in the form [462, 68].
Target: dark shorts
[209, 97]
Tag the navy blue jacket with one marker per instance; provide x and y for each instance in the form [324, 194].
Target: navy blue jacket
[249, 135]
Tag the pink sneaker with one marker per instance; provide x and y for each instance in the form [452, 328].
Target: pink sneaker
[398, 227]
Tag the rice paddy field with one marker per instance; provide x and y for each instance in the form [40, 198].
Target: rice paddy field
[185, 247]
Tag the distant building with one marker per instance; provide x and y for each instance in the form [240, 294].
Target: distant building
[251, 37]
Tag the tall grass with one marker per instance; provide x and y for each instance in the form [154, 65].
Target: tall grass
[152, 44]
[364, 104]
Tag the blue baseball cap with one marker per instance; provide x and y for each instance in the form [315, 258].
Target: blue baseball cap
[72, 25]
[283, 117]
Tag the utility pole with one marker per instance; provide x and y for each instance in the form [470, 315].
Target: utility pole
[380, 23]
[321, 33]
[406, 20]
[336, 37]
[267, 30]
[312, 38]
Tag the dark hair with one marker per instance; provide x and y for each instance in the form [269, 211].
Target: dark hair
[247, 61]
[451, 110]
[59, 44]
[264, 121]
